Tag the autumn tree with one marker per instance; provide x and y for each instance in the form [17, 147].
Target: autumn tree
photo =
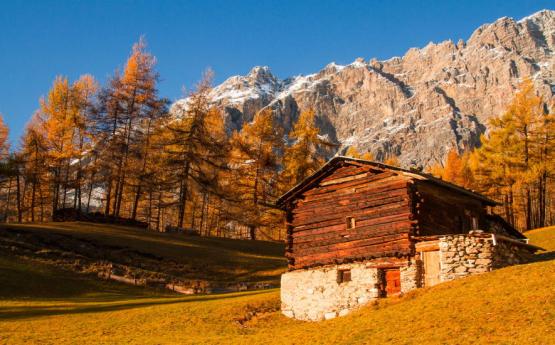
[3, 139]
[196, 144]
[354, 153]
[127, 107]
[456, 169]
[514, 163]
[35, 159]
[308, 151]
[392, 160]
[255, 162]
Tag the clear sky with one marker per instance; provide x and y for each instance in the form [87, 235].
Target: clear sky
[42, 39]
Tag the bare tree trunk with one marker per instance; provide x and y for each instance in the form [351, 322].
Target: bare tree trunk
[8, 199]
[159, 209]
[19, 212]
[108, 197]
[183, 194]
[33, 191]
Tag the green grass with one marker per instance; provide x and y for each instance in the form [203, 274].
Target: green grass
[42, 305]
[188, 257]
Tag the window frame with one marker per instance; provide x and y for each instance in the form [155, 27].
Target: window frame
[351, 222]
[344, 275]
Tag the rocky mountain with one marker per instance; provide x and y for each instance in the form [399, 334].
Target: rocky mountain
[417, 106]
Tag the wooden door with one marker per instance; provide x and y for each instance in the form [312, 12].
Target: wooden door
[432, 268]
[392, 282]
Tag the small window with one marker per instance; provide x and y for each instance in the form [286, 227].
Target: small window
[351, 223]
[343, 276]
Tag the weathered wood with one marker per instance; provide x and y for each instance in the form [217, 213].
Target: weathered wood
[344, 179]
[332, 218]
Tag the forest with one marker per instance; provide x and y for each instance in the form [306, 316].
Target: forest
[118, 153]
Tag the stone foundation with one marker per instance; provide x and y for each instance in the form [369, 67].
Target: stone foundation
[411, 276]
[318, 293]
[315, 294]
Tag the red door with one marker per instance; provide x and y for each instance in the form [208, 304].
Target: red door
[392, 282]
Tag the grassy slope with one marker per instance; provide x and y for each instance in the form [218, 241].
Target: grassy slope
[216, 259]
[511, 305]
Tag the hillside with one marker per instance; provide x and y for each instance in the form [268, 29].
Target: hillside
[417, 106]
[515, 305]
[137, 253]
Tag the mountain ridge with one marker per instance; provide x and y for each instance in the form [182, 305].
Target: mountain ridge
[418, 106]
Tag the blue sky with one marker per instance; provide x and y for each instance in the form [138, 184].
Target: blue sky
[42, 39]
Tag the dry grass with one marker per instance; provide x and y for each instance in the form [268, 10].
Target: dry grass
[544, 237]
[187, 257]
[515, 305]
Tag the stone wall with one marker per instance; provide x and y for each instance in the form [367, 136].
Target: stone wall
[508, 253]
[411, 276]
[315, 294]
[463, 255]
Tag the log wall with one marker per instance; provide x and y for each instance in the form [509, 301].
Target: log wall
[440, 211]
[379, 202]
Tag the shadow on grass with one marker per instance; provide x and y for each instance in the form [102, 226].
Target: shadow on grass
[547, 256]
[24, 312]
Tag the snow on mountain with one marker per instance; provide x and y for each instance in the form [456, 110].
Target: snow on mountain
[417, 106]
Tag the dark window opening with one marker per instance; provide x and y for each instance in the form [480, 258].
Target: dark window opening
[343, 276]
[351, 223]
[460, 224]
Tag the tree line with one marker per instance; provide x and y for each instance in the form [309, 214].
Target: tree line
[515, 163]
[118, 151]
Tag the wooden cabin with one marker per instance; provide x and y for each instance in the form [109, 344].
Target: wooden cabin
[358, 230]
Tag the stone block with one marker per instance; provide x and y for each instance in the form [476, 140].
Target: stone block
[288, 313]
[343, 312]
[330, 315]
[471, 250]
[460, 269]
[484, 262]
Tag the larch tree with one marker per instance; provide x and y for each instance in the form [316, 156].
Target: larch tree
[127, 107]
[195, 144]
[456, 169]
[354, 153]
[255, 161]
[307, 152]
[55, 115]
[514, 159]
[3, 138]
[35, 159]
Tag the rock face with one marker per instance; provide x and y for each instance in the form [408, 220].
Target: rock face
[418, 106]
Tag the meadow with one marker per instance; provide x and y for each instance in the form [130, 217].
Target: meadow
[43, 304]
